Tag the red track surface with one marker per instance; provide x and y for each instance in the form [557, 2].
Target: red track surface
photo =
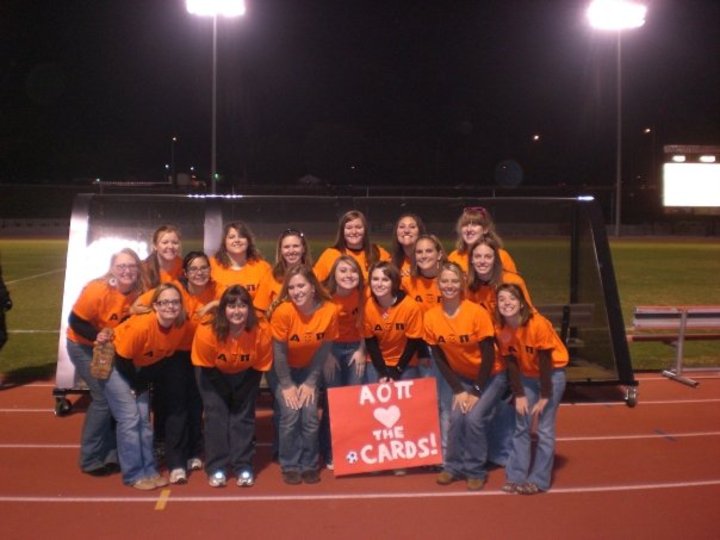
[648, 472]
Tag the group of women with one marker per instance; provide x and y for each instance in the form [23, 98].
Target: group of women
[201, 331]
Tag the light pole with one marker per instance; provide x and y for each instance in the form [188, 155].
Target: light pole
[617, 15]
[173, 140]
[215, 8]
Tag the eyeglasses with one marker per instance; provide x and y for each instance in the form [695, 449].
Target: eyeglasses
[475, 210]
[168, 303]
[126, 267]
[198, 270]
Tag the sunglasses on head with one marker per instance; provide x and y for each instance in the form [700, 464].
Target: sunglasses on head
[475, 210]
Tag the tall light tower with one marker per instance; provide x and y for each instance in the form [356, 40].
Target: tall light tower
[215, 8]
[617, 15]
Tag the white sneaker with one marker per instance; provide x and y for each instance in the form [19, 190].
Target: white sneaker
[194, 464]
[178, 476]
[245, 479]
[218, 479]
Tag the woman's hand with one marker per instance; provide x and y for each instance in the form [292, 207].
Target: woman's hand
[290, 395]
[464, 401]
[521, 405]
[358, 359]
[306, 395]
[330, 368]
[104, 335]
[539, 407]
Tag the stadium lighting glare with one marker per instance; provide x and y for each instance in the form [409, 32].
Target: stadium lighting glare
[617, 15]
[215, 9]
[707, 159]
[679, 159]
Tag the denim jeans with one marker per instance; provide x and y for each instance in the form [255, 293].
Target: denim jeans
[467, 446]
[298, 430]
[134, 432]
[229, 420]
[519, 469]
[345, 375]
[500, 433]
[97, 443]
[372, 376]
[445, 397]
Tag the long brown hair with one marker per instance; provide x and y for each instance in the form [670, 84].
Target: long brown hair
[479, 215]
[252, 253]
[151, 264]
[331, 284]
[281, 267]
[372, 252]
[525, 312]
[474, 281]
[233, 295]
[398, 252]
[321, 295]
[182, 316]
[139, 286]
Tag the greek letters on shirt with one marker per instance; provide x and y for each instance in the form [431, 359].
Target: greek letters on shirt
[308, 337]
[452, 338]
[428, 299]
[234, 357]
[379, 328]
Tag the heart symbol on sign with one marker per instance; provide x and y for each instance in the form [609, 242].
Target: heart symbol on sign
[387, 417]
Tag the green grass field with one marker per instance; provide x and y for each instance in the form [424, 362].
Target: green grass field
[648, 272]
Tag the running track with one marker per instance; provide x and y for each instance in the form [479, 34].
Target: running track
[648, 472]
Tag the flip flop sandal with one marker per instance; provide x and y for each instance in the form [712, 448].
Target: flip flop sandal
[510, 487]
[528, 489]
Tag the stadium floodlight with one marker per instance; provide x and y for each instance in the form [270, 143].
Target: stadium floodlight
[617, 15]
[215, 9]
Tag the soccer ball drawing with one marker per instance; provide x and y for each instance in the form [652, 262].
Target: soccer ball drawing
[352, 457]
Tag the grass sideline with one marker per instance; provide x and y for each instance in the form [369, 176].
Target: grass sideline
[648, 271]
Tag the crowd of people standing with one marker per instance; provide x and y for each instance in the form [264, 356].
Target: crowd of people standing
[193, 337]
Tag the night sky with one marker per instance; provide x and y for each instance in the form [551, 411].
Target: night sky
[353, 92]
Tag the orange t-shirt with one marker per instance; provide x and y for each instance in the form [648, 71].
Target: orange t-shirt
[175, 272]
[393, 327]
[526, 341]
[250, 349]
[268, 290]
[459, 337]
[424, 291]
[101, 305]
[303, 333]
[191, 303]
[249, 276]
[349, 309]
[141, 339]
[324, 264]
[486, 295]
[461, 259]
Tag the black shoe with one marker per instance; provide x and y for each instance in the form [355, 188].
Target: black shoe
[311, 476]
[100, 471]
[292, 477]
[112, 467]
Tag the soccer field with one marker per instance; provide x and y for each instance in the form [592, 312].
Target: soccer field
[648, 272]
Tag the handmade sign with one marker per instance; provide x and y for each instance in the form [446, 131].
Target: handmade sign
[378, 427]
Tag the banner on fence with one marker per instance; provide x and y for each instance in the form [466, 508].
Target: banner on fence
[378, 427]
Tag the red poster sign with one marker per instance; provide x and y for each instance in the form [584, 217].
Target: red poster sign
[378, 427]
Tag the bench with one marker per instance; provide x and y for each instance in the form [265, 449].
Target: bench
[568, 317]
[674, 325]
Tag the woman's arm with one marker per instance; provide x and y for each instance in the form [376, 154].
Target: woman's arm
[373, 348]
[82, 327]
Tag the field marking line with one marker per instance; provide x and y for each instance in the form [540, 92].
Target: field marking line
[272, 498]
[162, 500]
[579, 438]
[28, 278]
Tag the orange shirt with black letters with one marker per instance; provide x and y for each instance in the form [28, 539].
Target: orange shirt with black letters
[249, 349]
[101, 305]
[423, 290]
[304, 333]
[458, 337]
[526, 341]
[249, 276]
[142, 340]
[349, 309]
[393, 327]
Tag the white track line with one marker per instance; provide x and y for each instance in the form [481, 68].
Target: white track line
[35, 276]
[356, 496]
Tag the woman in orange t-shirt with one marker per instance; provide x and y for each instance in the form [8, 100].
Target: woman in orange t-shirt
[472, 225]
[230, 354]
[405, 233]
[352, 239]
[238, 261]
[536, 359]
[345, 364]
[392, 323]
[165, 260]
[145, 347]
[101, 306]
[292, 249]
[461, 335]
[304, 326]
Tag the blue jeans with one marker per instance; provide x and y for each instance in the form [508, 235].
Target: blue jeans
[297, 430]
[519, 469]
[467, 446]
[97, 443]
[134, 432]
[372, 376]
[345, 375]
[500, 433]
[445, 397]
